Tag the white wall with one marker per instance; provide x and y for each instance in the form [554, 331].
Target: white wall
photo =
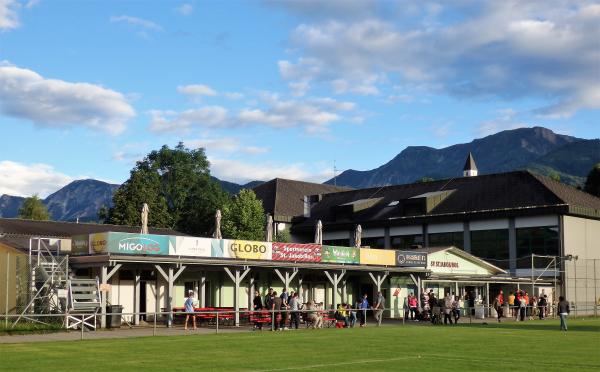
[534, 221]
[489, 224]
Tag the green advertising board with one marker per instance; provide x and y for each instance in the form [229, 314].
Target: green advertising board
[143, 244]
[346, 255]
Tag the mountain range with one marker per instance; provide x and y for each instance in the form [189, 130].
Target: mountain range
[536, 149]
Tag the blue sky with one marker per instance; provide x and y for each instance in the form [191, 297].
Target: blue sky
[281, 89]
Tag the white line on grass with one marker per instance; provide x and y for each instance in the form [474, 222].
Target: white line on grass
[362, 361]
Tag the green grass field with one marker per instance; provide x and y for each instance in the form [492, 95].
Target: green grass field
[534, 345]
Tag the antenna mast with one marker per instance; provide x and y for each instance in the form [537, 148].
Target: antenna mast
[334, 174]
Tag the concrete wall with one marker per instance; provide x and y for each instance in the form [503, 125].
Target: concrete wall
[582, 239]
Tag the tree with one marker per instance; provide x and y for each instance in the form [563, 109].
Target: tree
[283, 236]
[176, 185]
[592, 183]
[34, 209]
[244, 217]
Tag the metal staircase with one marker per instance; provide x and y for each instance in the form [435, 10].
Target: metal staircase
[42, 289]
[83, 303]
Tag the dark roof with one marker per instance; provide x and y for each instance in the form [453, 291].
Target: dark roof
[487, 196]
[56, 229]
[285, 198]
[470, 163]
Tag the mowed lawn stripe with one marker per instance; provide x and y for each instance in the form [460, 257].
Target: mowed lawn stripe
[465, 346]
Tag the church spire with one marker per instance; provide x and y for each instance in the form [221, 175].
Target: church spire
[470, 169]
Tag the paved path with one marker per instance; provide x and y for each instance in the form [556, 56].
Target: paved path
[147, 331]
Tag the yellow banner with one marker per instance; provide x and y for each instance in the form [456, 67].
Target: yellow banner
[380, 257]
[248, 250]
[98, 243]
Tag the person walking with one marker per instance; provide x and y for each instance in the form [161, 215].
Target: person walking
[379, 308]
[189, 310]
[563, 310]
[364, 306]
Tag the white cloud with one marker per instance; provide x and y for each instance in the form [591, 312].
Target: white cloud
[314, 114]
[185, 9]
[505, 120]
[546, 49]
[9, 17]
[183, 122]
[196, 90]
[226, 145]
[243, 172]
[24, 94]
[21, 179]
[141, 23]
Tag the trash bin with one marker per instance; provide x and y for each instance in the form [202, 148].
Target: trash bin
[114, 319]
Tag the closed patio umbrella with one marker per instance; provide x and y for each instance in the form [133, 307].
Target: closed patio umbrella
[217, 233]
[269, 229]
[357, 236]
[319, 233]
[145, 211]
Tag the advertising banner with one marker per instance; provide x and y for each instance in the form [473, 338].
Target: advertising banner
[80, 244]
[346, 255]
[248, 250]
[98, 243]
[411, 259]
[130, 243]
[218, 248]
[296, 252]
[383, 257]
[190, 246]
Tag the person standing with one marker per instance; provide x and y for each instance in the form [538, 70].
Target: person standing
[563, 311]
[284, 308]
[511, 303]
[379, 308]
[456, 309]
[189, 310]
[448, 300]
[498, 303]
[351, 315]
[522, 307]
[295, 315]
[269, 299]
[276, 311]
[364, 306]
[412, 305]
[257, 306]
[542, 303]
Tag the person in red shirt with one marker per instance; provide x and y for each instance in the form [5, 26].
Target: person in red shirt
[412, 305]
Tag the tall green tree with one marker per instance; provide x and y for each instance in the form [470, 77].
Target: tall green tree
[176, 185]
[244, 217]
[34, 209]
[592, 183]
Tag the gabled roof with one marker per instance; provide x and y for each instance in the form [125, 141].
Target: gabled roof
[57, 229]
[487, 196]
[285, 198]
[467, 256]
[470, 163]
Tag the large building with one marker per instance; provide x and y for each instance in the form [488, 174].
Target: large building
[503, 218]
